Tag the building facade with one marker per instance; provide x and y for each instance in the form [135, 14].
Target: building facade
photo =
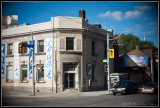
[70, 50]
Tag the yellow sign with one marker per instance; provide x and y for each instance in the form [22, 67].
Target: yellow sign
[111, 53]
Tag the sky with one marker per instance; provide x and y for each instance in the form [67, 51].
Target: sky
[139, 17]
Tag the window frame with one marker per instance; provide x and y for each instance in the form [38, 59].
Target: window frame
[69, 45]
[93, 47]
[22, 72]
[25, 48]
[93, 71]
[67, 68]
[38, 71]
[8, 49]
[39, 46]
[7, 70]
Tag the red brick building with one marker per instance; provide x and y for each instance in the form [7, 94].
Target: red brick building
[140, 74]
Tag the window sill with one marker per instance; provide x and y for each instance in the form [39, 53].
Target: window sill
[25, 54]
[23, 81]
[9, 55]
[9, 81]
[39, 81]
[40, 53]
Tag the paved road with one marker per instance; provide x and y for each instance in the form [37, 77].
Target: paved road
[82, 101]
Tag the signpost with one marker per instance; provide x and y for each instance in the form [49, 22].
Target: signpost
[32, 49]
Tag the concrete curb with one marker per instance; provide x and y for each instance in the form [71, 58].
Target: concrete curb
[92, 93]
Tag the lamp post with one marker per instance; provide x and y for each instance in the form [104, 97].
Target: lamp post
[33, 83]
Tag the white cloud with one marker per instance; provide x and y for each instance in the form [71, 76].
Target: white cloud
[133, 14]
[117, 15]
[143, 8]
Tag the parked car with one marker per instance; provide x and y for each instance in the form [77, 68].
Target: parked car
[140, 86]
[124, 87]
[150, 87]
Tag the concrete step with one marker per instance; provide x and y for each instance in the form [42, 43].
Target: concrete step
[70, 91]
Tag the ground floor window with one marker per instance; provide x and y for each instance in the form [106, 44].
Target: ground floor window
[24, 72]
[9, 75]
[40, 74]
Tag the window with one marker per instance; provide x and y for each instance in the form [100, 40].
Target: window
[24, 72]
[69, 67]
[93, 69]
[24, 48]
[9, 75]
[69, 43]
[93, 47]
[10, 49]
[40, 75]
[40, 46]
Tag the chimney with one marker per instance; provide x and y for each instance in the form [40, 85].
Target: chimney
[82, 13]
[137, 47]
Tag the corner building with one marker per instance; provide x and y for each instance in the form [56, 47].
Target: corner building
[70, 50]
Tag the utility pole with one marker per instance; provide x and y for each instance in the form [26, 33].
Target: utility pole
[144, 36]
[33, 83]
[108, 63]
[152, 73]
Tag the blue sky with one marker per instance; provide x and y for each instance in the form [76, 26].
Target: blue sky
[139, 17]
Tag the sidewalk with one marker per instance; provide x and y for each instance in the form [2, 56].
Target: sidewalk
[39, 94]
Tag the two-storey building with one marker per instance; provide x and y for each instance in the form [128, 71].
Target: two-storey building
[70, 50]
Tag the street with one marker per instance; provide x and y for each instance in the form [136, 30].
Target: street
[104, 100]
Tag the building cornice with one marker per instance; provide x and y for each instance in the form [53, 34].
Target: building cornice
[26, 33]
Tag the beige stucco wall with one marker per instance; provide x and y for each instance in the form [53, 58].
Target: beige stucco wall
[81, 56]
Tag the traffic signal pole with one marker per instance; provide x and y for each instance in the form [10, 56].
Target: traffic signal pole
[33, 83]
[108, 70]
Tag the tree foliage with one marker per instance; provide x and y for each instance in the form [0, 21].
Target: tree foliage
[130, 42]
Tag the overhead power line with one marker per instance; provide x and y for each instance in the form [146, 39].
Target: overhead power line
[50, 11]
[126, 15]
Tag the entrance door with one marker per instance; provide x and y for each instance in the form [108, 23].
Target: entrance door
[69, 80]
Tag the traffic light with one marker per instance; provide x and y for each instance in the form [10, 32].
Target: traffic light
[20, 48]
[41, 68]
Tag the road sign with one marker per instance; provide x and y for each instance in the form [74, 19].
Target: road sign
[105, 60]
[111, 53]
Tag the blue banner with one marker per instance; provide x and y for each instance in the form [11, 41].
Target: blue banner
[3, 60]
[30, 58]
[136, 60]
[48, 58]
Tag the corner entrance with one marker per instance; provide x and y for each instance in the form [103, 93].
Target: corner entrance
[69, 80]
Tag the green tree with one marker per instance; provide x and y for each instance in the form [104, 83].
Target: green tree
[130, 42]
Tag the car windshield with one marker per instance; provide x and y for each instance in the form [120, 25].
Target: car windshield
[121, 84]
[151, 84]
